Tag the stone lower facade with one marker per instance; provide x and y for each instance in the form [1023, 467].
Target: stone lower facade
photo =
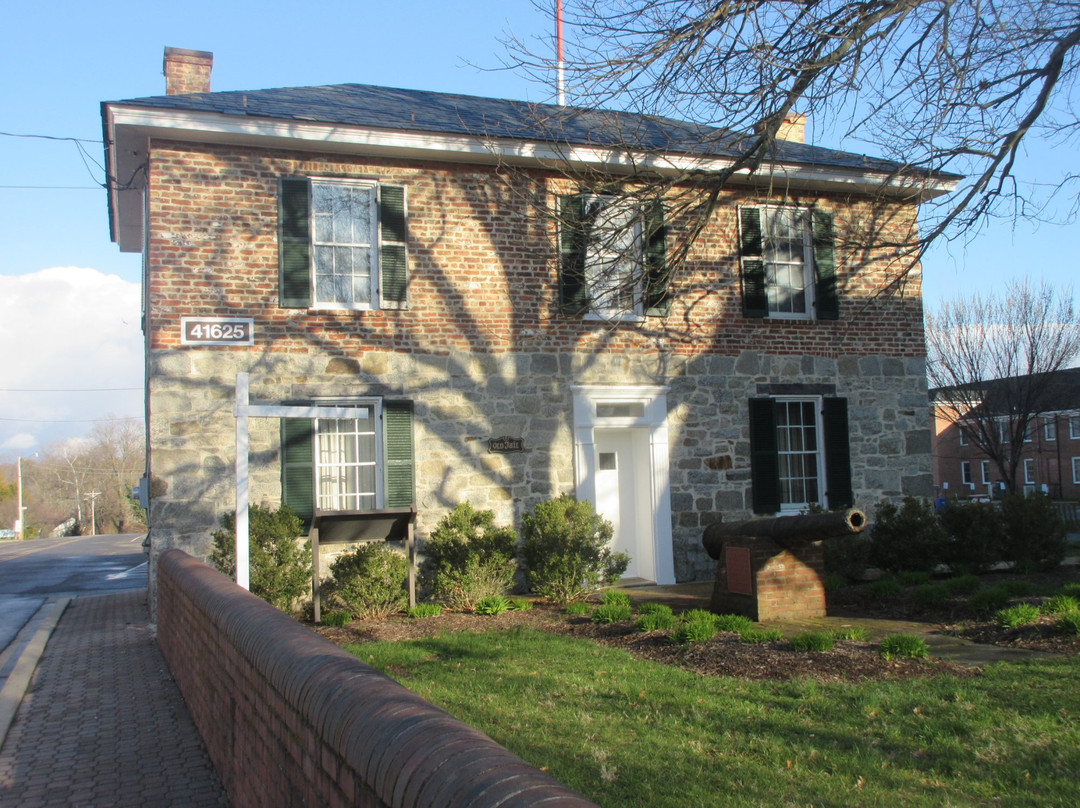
[463, 400]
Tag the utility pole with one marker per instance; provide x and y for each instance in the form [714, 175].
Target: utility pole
[19, 513]
[92, 496]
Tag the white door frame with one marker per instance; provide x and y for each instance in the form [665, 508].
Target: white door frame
[645, 408]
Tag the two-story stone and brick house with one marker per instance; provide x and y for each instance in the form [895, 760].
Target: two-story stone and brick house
[389, 251]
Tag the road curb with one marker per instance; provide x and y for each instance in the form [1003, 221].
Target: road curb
[33, 638]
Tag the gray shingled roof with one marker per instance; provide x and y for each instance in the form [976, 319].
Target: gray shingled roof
[1062, 392]
[366, 105]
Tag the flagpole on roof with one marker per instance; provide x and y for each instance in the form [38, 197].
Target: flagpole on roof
[560, 88]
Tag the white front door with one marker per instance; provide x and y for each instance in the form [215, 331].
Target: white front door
[623, 495]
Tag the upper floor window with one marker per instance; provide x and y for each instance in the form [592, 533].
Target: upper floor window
[1074, 427]
[799, 454]
[788, 263]
[612, 262]
[1050, 429]
[1076, 469]
[963, 436]
[342, 244]
[965, 473]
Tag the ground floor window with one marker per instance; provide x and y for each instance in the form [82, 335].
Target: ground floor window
[349, 464]
[965, 473]
[799, 453]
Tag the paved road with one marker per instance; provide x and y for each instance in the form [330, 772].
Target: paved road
[31, 571]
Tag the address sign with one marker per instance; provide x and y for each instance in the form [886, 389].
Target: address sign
[217, 331]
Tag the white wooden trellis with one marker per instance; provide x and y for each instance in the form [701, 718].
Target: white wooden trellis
[244, 410]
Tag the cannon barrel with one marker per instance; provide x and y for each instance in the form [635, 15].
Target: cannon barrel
[785, 530]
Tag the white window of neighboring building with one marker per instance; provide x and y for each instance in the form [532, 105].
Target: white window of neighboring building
[984, 467]
[1050, 429]
[965, 473]
[1029, 470]
[1003, 430]
[1074, 427]
[963, 436]
[1076, 469]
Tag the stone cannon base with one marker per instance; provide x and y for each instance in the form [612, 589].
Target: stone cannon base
[758, 578]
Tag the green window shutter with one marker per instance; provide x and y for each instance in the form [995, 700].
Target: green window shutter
[398, 453]
[294, 243]
[764, 463]
[828, 301]
[657, 279]
[751, 250]
[298, 467]
[393, 248]
[838, 492]
[573, 291]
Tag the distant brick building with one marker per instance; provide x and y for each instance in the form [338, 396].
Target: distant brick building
[386, 250]
[1050, 459]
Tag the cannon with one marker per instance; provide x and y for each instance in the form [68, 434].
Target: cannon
[785, 530]
[773, 568]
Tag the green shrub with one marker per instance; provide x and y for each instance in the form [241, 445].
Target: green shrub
[694, 631]
[909, 537]
[976, 535]
[577, 608]
[990, 599]
[279, 563]
[904, 646]
[1018, 588]
[520, 604]
[704, 615]
[1021, 614]
[370, 581]
[851, 634]
[1060, 604]
[1069, 623]
[565, 550]
[963, 583]
[929, 594]
[914, 578]
[652, 607]
[884, 588]
[812, 641]
[1072, 590]
[847, 557]
[492, 605]
[833, 583]
[614, 597]
[336, 619]
[611, 613]
[467, 558]
[421, 610]
[736, 623]
[655, 621]
[1034, 532]
[759, 635]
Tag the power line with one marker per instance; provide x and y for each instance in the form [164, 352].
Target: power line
[49, 137]
[69, 420]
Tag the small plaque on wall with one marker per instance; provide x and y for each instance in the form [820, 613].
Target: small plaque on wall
[740, 578]
[506, 445]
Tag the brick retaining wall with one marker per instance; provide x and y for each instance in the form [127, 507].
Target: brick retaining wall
[291, 719]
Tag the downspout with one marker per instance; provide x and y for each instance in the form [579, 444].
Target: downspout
[560, 79]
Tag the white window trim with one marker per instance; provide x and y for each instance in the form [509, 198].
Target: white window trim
[965, 474]
[819, 428]
[1029, 471]
[984, 470]
[1074, 427]
[962, 432]
[380, 467]
[636, 314]
[809, 290]
[1076, 470]
[1050, 429]
[373, 276]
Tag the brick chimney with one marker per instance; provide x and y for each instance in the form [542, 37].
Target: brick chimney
[792, 129]
[187, 71]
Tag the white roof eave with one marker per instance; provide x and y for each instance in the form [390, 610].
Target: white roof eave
[131, 128]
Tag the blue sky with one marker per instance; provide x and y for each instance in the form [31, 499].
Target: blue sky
[69, 298]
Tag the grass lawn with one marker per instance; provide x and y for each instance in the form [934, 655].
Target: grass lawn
[626, 732]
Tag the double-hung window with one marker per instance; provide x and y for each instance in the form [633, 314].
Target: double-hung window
[1050, 429]
[342, 244]
[788, 268]
[965, 474]
[799, 454]
[612, 262]
[349, 464]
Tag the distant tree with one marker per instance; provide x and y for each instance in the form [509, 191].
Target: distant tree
[994, 358]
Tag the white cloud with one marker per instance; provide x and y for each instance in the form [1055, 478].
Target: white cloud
[69, 329]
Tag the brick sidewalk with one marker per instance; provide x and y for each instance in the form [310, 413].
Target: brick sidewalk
[103, 723]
